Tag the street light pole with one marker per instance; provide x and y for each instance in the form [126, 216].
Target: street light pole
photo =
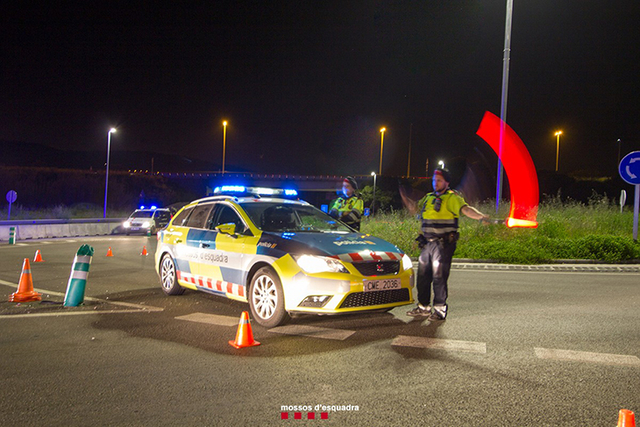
[557, 134]
[505, 89]
[373, 202]
[409, 160]
[106, 181]
[224, 143]
[382, 131]
[618, 153]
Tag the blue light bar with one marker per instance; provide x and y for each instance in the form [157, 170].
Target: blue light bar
[290, 192]
[154, 207]
[141, 206]
[230, 189]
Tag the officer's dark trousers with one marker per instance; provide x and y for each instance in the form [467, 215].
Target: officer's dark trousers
[434, 265]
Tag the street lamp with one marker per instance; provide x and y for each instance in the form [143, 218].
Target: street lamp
[557, 134]
[441, 164]
[106, 181]
[224, 143]
[373, 202]
[619, 143]
[382, 131]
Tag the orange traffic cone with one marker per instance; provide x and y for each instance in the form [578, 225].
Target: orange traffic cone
[25, 292]
[144, 251]
[109, 253]
[626, 418]
[38, 257]
[244, 336]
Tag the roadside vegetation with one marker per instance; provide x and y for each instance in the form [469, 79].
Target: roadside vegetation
[567, 230]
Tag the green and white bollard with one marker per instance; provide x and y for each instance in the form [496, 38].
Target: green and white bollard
[12, 235]
[78, 278]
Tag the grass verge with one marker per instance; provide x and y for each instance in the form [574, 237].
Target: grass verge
[570, 230]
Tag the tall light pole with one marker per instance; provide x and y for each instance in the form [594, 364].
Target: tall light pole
[557, 134]
[409, 159]
[619, 143]
[224, 143]
[382, 131]
[505, 90]
[106, 181]
[373, 202]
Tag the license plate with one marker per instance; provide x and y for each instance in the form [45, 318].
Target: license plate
[381, 285]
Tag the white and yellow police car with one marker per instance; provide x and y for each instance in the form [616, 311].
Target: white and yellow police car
[281, 255]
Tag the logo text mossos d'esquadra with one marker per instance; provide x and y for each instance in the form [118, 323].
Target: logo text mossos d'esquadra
[353, 242]
[319, 407]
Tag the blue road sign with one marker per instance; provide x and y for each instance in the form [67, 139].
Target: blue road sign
[367, 211]
[12, 196]
[630, 168]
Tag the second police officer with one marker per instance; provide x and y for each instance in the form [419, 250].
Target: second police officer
[349, 207]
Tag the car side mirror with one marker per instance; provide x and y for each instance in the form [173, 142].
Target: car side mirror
[229, 229]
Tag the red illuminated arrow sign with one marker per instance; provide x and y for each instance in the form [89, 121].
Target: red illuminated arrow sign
[523, 179]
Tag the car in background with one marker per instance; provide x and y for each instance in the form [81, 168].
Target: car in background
[280, 255]
[148, 220]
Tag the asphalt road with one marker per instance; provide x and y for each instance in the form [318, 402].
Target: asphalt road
[518, 349]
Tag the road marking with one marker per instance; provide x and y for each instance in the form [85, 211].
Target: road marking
[439, 344]
[313, 332]
[211, 319]
[585, 356]
[132, 307]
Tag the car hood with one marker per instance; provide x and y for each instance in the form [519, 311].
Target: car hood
[349, 247]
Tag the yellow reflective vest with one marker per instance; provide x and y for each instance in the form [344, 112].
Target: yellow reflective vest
[439, 213]
[353, 207]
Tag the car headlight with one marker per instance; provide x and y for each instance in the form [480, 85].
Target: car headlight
[407, 264]
[126, 224]
[146, 224]
[320, 264]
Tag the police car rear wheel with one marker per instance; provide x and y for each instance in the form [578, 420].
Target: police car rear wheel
[266, 299]
[168, 277]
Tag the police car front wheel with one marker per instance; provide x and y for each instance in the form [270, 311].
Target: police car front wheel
[266, 299]
[168, 277]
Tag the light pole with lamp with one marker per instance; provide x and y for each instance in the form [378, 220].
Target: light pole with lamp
[106, 181]
[441, 164]
[382, 131]
[619, 143]
[224, 143]
[557, 134]
[373, 202]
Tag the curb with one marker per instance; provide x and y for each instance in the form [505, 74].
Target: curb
[578, 267]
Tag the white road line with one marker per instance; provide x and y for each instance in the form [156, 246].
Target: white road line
[133, 308]
[439, 344]
[585, 356]
[211, 319]
[313, 332]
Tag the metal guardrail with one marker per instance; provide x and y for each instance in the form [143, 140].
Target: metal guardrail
[61, 221]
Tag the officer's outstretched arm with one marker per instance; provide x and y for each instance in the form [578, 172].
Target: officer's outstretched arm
[473, 213]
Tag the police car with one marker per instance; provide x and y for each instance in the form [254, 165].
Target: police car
[279, 254]
[147, 220]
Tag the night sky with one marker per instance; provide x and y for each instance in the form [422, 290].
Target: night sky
[306, 86]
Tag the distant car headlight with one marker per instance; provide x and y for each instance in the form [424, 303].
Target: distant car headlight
[146, 224]
[320, 264]
[407, 264]
[126, 224]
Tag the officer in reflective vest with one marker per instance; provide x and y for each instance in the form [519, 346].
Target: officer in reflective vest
[439, 213]
[349, 207]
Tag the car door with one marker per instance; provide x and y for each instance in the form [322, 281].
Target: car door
[188, 250]
[222, 252]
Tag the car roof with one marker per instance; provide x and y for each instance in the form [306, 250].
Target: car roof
[251, 199]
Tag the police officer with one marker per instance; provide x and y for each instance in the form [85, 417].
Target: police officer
[439, 213]
[349, 207]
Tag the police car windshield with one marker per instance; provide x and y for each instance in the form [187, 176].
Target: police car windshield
[291, 217]
[142, 214]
